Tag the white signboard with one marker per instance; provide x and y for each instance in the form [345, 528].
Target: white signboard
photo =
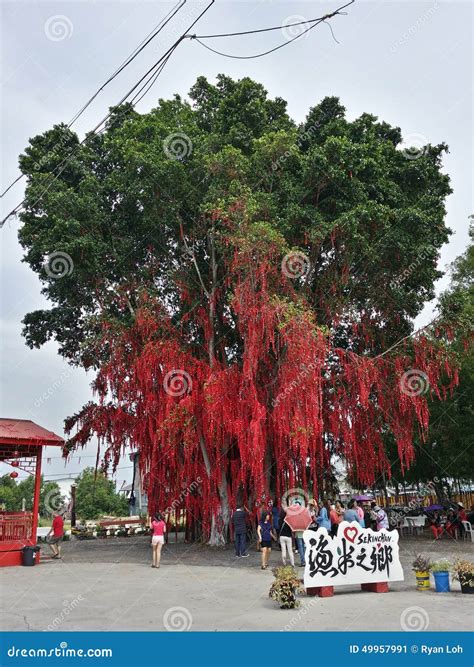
[355, 556]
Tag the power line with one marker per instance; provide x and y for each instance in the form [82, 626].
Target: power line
[278, 27]
[315, 22]
[143, 44]
[149, 78]
[151, 36]
[161, 61]
[68, 474]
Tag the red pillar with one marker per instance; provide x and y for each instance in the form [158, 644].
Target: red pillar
[36, 496]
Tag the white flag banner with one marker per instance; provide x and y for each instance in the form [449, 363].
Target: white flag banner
[355, 555]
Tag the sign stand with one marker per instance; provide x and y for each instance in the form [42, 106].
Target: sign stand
[328, 591]
[378, 587]
[355, 555]
[321, 591]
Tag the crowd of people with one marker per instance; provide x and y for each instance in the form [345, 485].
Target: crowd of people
[449, 522]
[272, 526]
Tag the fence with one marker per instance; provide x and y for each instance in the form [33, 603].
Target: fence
[15, 526]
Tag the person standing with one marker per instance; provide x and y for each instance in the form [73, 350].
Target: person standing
[351, 514]
[300, 546]
[360, 514]
[55, 535]
[323, 516]
[335, 517]
[239, 521]
[276, 516]
[265, 534]
[313, 510]
[286, 541]
[381, 518]
[158, 530]
[299, 538]
[462, 516]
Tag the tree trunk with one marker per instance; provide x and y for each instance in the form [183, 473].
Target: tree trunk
[220, 521]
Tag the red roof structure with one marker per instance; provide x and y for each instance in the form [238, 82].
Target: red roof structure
[26, 432]
[21, 446]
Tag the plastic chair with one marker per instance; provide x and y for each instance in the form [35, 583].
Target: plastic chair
[414, 527]
[468, 530]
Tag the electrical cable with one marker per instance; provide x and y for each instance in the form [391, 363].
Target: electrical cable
[143, 44]
[146, 82]
[152, 70]
[315, 22]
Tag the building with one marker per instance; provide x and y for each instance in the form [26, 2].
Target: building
[137, 499]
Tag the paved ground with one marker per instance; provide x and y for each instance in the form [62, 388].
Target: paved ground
[109, 585]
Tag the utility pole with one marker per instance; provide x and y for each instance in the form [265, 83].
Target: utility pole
[73, 505]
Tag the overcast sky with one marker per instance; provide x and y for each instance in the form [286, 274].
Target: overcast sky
[407, 62]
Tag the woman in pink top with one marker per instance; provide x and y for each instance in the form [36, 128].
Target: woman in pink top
[158, 530]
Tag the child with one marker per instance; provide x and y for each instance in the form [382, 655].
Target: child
[265, 533]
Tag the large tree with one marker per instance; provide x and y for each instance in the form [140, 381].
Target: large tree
[240, 283]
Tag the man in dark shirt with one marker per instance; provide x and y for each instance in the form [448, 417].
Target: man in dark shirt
[239, 520]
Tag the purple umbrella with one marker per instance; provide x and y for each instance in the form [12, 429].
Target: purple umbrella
[433, 508]
[363, 498]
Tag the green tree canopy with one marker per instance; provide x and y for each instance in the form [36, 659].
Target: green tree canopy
[12, 494]
[343, 192]
[96, 496]
[447, 456]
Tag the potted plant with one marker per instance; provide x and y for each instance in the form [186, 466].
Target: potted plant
[440, 570]
[421, 568]
[283, 590]
[463, 571]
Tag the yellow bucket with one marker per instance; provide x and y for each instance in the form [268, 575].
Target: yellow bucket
[422, 581]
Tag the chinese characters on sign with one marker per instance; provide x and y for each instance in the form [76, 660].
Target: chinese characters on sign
[355, 555]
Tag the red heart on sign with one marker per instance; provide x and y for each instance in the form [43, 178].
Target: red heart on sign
[352, 531]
